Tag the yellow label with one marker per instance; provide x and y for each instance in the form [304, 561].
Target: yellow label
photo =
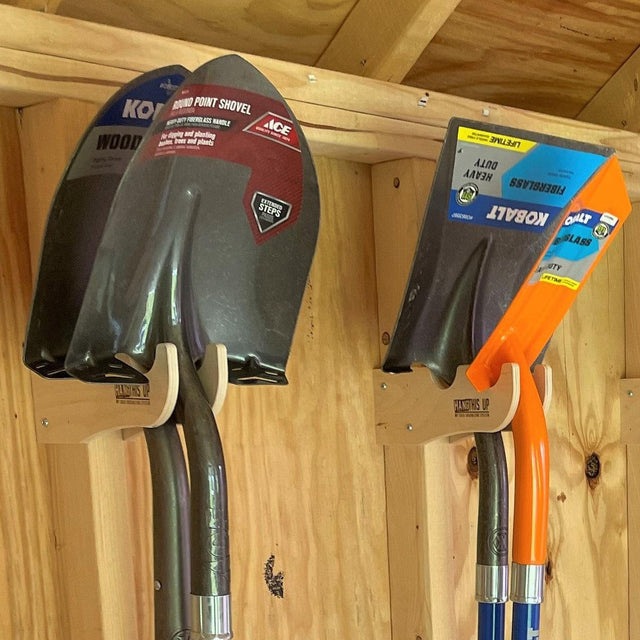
[465, 134]
[561, 281]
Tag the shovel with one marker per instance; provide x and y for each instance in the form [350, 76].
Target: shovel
[74, 229]
[494, 205]
[209, 240]
[588, 227]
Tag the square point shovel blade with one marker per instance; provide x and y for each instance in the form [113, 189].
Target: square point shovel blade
[212, 230]
[497, 199]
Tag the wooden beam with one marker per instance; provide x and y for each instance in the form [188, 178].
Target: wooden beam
[28, 587]
[88, 482]
[383, 40]
[617, 103]
[343, 116]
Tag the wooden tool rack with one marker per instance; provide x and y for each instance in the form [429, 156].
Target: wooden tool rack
[372, 541]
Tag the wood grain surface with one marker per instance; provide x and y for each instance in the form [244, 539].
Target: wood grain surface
[88, 501]
[343, 116]
[541, 55]
[28, 585]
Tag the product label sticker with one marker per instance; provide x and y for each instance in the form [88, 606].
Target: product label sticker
[575, 248]
[214, 121]
[118, 132]
[514, 183]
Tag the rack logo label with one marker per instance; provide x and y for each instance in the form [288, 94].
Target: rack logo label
[132, 393]
[276, 128]
[471, 407]
[141, 109]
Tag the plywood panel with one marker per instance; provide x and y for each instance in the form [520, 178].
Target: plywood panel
[27, 575]
[306, 478]
[542, 55]
[383, 40]
[286, 30]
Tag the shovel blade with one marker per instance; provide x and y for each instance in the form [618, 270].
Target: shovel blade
[496, 201]
[213, 230]
[79, 212]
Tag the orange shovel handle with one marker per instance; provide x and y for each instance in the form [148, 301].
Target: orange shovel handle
[531, 502]
[531, 448]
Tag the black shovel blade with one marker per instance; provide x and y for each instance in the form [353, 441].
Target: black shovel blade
[496, 200]
[213, 230]
[79, 212]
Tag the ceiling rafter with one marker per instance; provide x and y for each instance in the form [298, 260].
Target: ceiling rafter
[617, 103]
[382, 40]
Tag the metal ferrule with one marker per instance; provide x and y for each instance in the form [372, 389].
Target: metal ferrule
[527, 583]
[492, 583]
[211, 618]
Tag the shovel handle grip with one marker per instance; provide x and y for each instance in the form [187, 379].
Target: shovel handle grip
[531, 445]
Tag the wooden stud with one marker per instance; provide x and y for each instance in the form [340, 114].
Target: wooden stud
[383, 40]
[630, 411]
[617, 104]
[419, 524]
[88, 481]
[29, 589]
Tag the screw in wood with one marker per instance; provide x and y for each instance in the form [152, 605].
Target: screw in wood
[409, 427]
[383, 386]
[44, 422]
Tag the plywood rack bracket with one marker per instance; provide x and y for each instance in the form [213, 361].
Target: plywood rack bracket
[69, 411]
[412, 408]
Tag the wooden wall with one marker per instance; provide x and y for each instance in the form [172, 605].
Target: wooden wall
[27, 578]
[306, 477]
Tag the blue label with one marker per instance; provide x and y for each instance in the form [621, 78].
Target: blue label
[139, 106]
[579, 236]
[517, 184]
[549, 175]
[502, 213]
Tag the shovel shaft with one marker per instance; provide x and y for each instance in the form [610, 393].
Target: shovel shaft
[490, 621]
[531, 446]
[210, 564]
[170, 531]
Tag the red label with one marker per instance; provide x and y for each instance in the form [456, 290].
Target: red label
[211, 121]
[276, 128]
